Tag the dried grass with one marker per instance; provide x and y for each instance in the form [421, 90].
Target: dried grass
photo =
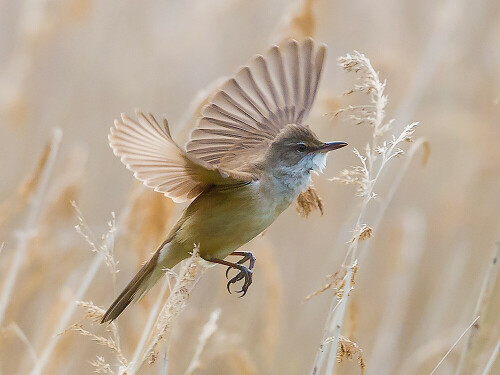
[455, 195]
[173, 307]
[454, 345]
[11, 206]
[349, 350]
[364, 176]
[208, 331]
[26, 234]
[470, 353]
[308, 201]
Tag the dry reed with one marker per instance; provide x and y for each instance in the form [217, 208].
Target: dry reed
[470, 352]
[364, 176]
[26, 234]
[54, 74]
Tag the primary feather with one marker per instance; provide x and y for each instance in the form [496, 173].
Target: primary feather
[149, 151]
[235, 129]
[249, 110]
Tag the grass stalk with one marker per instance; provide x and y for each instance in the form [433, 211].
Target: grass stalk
[453, 346]
[387, 336]
[376, 156]
[445, 24]
[208, 331]
[64, 321]
[492, 359]
[30, 230]
[337, 322]
[467, 356]
[87, 279]
[139, 350]
[175, 304]
[320, 356]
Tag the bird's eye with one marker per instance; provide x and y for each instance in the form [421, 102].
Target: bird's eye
[301, 147]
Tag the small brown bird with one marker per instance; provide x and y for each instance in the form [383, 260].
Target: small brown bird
[248, 158]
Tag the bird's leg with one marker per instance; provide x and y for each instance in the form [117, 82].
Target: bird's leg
[245, 273]
[246, 255]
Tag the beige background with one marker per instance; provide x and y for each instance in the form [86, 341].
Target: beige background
[78, 64]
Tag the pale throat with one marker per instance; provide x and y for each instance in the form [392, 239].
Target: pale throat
[289, 181]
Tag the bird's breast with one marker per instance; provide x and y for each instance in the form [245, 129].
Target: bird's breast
[281, 189]
[223, 220]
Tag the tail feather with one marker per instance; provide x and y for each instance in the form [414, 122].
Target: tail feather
[144, 280]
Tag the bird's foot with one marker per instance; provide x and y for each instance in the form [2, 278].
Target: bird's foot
[244, 272]
[245, 256]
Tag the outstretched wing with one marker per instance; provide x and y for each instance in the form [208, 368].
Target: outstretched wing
[147, 149]
[247, 112]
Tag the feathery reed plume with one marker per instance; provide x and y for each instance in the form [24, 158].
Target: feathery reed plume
[171, 310]
[175, 304]
[94, 315]
[78, 295]
[373, 159]
[106, 247]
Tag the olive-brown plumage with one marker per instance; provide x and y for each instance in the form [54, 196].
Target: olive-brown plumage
[248, 158]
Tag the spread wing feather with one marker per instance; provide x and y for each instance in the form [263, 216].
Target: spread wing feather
[250, 109]
[149, 151]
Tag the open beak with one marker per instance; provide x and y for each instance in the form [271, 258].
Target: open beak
[330, 146]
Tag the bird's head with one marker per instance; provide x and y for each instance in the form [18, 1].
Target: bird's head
[298, 148]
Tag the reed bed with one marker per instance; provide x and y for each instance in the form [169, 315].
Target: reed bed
[396, 274]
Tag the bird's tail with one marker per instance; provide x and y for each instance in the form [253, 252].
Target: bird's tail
[142, 282]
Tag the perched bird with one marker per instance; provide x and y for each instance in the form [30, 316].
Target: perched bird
[248, 158]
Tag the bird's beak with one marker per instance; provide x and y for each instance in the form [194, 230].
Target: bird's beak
[330, 146]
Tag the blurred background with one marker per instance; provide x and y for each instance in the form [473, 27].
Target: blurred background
[76, 65]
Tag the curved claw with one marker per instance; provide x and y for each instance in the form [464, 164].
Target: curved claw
[245, 256]
[247, 283]
[238, 277]
[244, 273]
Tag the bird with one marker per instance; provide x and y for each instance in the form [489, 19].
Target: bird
[248, 157]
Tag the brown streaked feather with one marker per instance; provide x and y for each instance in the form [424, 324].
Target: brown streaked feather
[248, 111]
[149, 151]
